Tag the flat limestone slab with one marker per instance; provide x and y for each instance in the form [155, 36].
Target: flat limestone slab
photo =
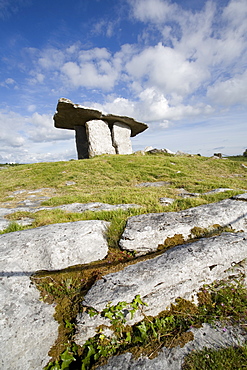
[144, 233]
[56, 246]
[27, 327]
[178, 272]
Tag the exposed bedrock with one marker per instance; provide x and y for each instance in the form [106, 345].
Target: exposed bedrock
[28, 328]
[178, 272]
[144, 233]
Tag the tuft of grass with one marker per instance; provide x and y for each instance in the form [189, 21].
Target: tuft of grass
[13, 226]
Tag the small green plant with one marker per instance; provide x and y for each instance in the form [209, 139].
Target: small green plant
[66, 359]
[13, 226]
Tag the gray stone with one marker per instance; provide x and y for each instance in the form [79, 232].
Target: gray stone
[96, 206]
[28, 329]
[81, 142]
[76, 117]
[73, 207]
[121, 138]
[178, 272]
[56, 246]
[166, 201]
[240, 196]
[155, 184]
[173, 358]
[99, 138]
[144, 233]
[158, 151]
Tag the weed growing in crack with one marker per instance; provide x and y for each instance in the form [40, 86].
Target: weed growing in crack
[224, 301]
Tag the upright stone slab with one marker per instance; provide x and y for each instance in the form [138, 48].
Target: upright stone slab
[99, 138]
[81, 142]
[121, 138]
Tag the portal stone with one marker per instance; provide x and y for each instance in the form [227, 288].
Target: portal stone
[99, 138]
[121, 138]
[81, 142]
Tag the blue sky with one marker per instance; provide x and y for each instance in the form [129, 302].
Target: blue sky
[179, 66]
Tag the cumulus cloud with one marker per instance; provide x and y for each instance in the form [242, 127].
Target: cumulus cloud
[167, 69]
[229, 92]
[156, 11]
[41, 129]
[152, 106]
[26, 138]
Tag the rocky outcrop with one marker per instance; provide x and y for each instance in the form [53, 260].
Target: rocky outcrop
[172, 358]
[76, 117]
[178, 272]
[144, 233]
[28, 329]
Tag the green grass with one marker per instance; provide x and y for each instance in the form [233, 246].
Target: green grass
[232, 358]
[113, 180]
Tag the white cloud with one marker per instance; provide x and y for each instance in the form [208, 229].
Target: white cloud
[33, 138]
[167, 69]
[151, 106]
[93, 70]
[229, 92]
[152, 10]
[41, 129]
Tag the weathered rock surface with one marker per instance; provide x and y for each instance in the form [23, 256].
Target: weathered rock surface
[155, 184]
[178, 272]
[166, 201]
[144, 233]
[95, 206]
[99, 138]
[172, 359]
[73, 207]
[56, 246]
[28, 329]
[121, 138]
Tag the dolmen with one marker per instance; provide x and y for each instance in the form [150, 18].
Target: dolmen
[97, 133]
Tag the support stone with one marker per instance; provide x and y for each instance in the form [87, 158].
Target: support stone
[121, 138]
[99, 138]
[81, 142]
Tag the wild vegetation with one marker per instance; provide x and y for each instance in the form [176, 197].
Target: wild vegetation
[115, 180]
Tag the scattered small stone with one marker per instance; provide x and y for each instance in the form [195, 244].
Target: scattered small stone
[69, 183]
[156, 184]
[166, 201]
